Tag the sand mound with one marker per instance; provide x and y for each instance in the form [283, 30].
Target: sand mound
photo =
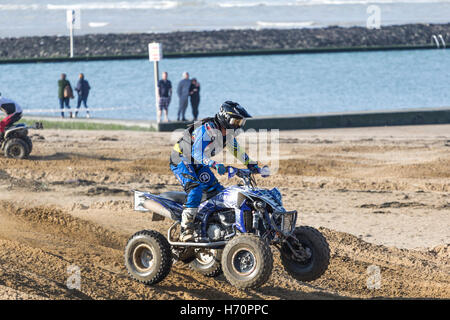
[61, 222]
[11, 294]
[69, 204]
[442, 252]
[36, 263]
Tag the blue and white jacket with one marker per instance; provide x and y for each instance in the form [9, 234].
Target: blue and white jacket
[204, 140]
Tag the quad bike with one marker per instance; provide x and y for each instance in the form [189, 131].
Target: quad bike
[233, 233]
[16, 142]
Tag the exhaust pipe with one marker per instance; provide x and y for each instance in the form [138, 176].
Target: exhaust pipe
[159, 211]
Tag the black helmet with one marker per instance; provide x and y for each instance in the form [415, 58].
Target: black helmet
[232, 115]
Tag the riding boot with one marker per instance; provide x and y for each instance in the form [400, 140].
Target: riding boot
[187, 224]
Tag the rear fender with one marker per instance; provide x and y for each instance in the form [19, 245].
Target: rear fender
[160, 207]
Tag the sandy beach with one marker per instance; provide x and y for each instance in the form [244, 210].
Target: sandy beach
[380, 195]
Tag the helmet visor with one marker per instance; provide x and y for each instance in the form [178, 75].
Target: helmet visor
[237, 122]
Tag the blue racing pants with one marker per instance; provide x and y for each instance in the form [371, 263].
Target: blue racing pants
[195, 179]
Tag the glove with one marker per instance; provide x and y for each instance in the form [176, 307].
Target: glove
[253, 167]
[221, 169]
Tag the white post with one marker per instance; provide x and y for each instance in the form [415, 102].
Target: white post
[155, 54]
[71, 40]
[156, 74]
[73, 21]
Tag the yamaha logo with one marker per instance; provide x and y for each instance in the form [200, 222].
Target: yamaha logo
[204, 177]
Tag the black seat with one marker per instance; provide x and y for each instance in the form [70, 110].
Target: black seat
[180, 196]
[177, 196]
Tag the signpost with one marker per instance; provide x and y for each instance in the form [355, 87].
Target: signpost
[155, 54]
[73, 21]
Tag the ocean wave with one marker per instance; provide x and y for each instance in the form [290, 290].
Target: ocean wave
[98, 24]
[244, 4]
[19, 6]
[280, 25]
[122, 5]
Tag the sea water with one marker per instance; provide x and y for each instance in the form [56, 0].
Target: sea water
[265, 85]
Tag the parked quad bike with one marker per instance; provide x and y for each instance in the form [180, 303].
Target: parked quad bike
[233, 233]
[16, 143]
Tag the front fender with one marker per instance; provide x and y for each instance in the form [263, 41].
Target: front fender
[243, 195]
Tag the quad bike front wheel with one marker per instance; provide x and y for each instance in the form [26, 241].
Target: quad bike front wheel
[247, 261]
[148, 257]
[207, 262]
[17, 149]
[307, 258]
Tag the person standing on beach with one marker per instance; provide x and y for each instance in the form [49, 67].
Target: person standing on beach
[65, 93]
[194, 92]
[183, 95]
[164, 96]
[83, 89]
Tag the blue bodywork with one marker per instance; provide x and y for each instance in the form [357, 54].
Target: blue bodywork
[227, 199]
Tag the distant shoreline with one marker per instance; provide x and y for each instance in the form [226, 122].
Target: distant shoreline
[225, 41]
[214, 54]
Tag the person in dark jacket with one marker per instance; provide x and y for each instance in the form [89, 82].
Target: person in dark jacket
[194, 93]
[65, 93]
[82, 89]
[183, 95]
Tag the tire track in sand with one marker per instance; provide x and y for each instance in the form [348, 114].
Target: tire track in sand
[37, 244]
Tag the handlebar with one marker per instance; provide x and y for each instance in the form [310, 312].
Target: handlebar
[246, 173]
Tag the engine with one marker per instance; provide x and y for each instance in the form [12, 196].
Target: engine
[216, 232]
[220, 225]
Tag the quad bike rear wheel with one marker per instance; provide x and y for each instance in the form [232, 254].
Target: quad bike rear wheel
[207, 262]
[247, 261]
[314, 255]
[16, 148]
[148, 257]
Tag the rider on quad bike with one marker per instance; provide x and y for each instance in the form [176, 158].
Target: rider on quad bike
[190, 159]
[13, 114]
